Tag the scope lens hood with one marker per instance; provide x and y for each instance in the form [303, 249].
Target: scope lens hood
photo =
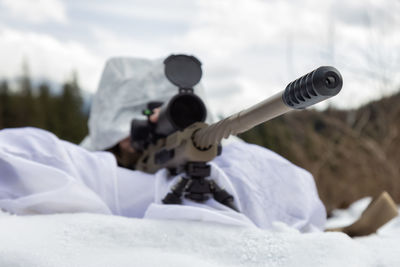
[182, 70]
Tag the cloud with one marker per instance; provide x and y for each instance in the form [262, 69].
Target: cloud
[38, 11]
[270, 43]
[47, 57]
[249, 49]
[108, 44]
[245, 43]
[155, 10]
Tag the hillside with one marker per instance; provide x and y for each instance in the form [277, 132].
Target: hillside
[351, 153]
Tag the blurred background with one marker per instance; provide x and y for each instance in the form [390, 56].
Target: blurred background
[52, 54]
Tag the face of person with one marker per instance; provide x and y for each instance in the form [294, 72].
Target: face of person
[126, 155]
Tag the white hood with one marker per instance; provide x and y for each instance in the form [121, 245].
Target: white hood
[126, 86]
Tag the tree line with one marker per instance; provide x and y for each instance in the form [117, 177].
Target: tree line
[59, 110]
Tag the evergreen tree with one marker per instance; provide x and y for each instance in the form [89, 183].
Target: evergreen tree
[4, 104]
[72, 121]
[26, 109]
[45, 105]
[61, 114]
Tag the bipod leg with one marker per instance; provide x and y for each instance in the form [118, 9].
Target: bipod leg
[222, 196]
[174, 197]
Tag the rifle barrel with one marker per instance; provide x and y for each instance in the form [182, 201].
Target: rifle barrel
[303, 92]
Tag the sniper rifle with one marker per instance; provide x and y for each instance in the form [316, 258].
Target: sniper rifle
[182, 142]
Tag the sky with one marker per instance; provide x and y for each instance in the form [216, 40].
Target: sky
[249, 49]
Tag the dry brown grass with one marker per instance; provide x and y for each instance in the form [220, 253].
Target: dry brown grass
[352, 154]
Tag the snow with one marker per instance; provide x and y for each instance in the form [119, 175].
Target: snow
[106, 240]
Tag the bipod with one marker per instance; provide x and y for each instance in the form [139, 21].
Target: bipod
[197, 188]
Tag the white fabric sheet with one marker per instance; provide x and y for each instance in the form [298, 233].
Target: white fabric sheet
[41, 174]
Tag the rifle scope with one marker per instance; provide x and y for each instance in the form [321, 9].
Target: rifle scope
[182, 110]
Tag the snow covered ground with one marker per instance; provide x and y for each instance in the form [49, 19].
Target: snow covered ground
[101, 240]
